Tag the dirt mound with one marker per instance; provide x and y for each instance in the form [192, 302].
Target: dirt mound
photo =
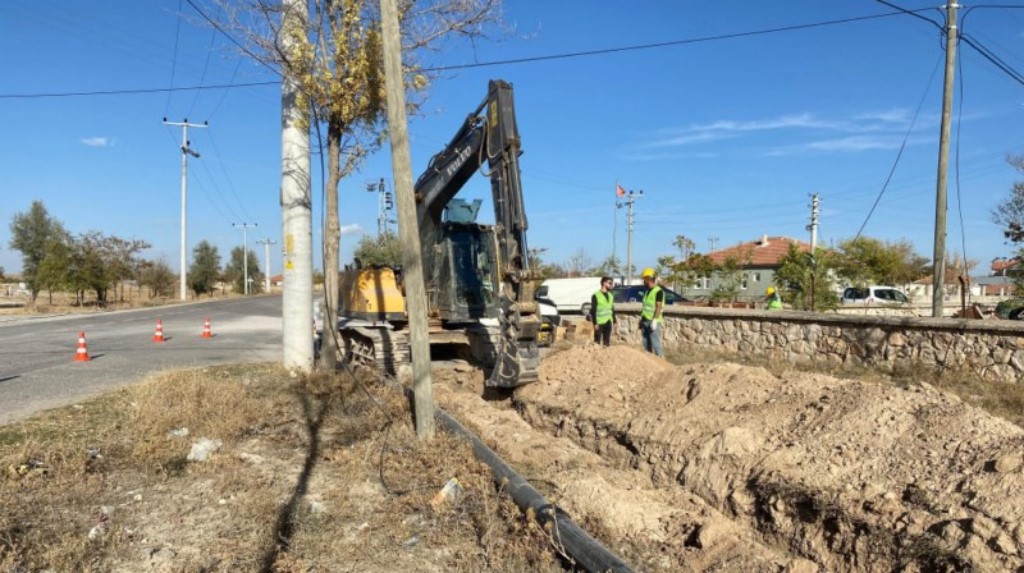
[855, 476]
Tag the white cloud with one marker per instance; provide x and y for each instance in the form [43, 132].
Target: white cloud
[99, 141]
[660, 156]
[803, 120]
[856, 143]
[353, 229]
[686, 139]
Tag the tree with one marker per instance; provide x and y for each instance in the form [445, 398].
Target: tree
[864, 260]
[730, 279]
[579, 264]
[1009, 213]
[123, 260]
[806, 281]
[382, 250]
[336, 59]
[234, 271]
[610, 267]
[56, 268]
[158, 277]
[685, 273]
[542, 270]
[30, 233]
[204, 270]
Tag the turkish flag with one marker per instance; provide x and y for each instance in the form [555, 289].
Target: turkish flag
[619, 191]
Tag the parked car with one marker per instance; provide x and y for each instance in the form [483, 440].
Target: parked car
[1012, 309]
[874, 294]
[635, 293]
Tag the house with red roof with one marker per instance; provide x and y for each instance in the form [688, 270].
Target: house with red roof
[757, 261]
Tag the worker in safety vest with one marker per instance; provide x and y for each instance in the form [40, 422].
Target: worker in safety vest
[772, 299]
[602, 312]
[650, 316]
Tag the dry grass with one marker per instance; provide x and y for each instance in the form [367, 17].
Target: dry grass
[1002, 399]
[321, 473]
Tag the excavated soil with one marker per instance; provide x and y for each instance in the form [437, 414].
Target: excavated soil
[725, 467]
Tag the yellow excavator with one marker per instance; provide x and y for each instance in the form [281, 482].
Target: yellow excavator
[477, 276]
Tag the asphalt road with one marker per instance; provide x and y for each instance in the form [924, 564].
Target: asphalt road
[37, 370]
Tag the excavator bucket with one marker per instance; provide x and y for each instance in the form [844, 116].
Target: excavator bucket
[516, 354]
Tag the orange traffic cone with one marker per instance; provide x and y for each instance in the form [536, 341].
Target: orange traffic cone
[158, 336]
[81, 354]
[206, 329]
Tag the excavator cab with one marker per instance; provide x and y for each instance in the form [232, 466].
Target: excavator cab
[461, 287]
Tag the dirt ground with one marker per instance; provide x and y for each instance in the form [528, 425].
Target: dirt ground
[710, 466]
[816, 473]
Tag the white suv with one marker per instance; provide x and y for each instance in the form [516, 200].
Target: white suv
[875, 294]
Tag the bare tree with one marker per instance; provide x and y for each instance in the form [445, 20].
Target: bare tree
[336, 60]
[579, 264]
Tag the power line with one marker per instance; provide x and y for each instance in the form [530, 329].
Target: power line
[991, 57]
[135, 91]
[567, 55]
[698, 40]
[912, 13]
[174, 58]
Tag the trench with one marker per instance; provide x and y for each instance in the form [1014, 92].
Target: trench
[791, 517]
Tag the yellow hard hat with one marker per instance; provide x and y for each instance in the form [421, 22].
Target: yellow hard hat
[770, 291]
[648, 272]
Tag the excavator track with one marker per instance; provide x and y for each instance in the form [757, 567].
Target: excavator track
[376, 346]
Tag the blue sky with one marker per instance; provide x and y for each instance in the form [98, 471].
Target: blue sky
[726, 138]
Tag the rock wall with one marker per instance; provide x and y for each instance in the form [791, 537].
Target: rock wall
[993, 350]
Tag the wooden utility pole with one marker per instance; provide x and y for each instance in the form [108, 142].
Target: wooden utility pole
[939, 255]
[408, 236]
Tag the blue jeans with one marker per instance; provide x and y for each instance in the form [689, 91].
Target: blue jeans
[652, 338]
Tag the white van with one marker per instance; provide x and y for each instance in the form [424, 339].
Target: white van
[570, 295]
[874, 294]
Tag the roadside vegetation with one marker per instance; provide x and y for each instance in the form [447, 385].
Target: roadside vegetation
[98, 269]
[319, 473]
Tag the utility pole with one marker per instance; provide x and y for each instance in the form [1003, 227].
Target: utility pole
[401, 163]
[266, 262]
[939, 255]
[296, 208]
[631, 197]
[245, 253]
[813, 227]
[185, 152]
[713, 241]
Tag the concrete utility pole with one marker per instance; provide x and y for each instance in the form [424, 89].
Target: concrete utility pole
[185, 152]
[713, 241]
[939, 255]
[813, 227]
[416, 295]
[245, 253]
[631, 197]
[296, 208]
[266, 262]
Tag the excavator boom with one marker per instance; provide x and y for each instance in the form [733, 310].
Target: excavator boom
[490, 137]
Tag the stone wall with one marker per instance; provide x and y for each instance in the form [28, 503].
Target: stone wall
[993, 349]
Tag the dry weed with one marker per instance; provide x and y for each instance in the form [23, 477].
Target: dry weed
[323, 472]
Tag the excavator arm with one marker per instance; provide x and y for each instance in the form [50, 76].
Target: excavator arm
[490, 135]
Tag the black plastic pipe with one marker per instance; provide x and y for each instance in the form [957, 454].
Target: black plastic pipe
[580, 546]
